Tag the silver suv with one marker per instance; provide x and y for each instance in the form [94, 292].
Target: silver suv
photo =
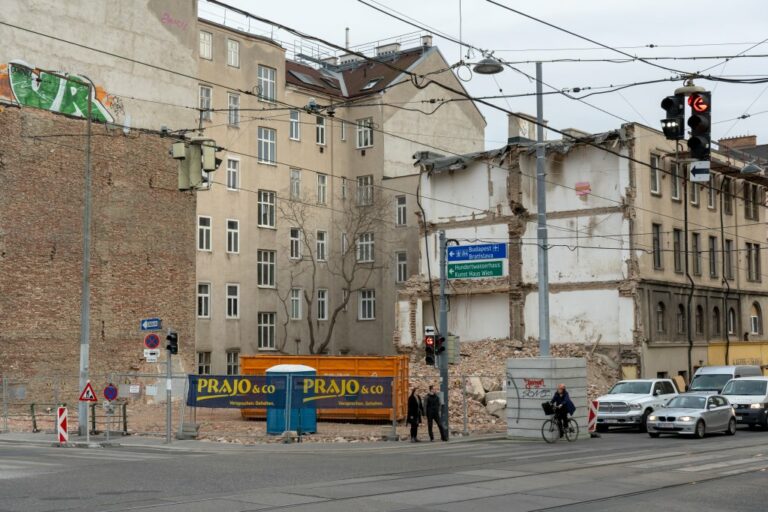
[630, 402]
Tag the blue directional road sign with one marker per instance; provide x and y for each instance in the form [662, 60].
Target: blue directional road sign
[477, 252]
[152, 324]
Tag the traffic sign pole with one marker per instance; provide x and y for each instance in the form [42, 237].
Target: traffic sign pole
[168, 394]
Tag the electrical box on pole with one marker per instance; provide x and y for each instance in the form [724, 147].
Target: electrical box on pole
[672, 125]
[700, 123]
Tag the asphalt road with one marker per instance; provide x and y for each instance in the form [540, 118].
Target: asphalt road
[621, 471]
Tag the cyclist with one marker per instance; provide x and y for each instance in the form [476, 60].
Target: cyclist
[563, 407]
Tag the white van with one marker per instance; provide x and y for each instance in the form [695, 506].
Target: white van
[713, 378]
[749, 396]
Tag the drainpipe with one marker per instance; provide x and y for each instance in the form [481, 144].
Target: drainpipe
[726, 284]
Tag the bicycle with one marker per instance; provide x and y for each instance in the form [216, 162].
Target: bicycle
[550, 430]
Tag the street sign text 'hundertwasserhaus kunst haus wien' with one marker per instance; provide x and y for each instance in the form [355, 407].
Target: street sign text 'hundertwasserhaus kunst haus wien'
[476, 261]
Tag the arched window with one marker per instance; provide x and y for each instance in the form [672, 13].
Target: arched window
[755, 319]
[699, 320]
[731, 321]
[716, 321]
[661, 327]
[680, 319]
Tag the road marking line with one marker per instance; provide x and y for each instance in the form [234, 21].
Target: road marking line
[725, 464]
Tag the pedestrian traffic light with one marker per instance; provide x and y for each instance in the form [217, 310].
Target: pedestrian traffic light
[700, 123]
[440, 345]
[429, 349]
[173, 342]
[672, 125]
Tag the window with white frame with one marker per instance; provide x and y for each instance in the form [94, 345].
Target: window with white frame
[365, 190]
[675, 181]
[233, 53]
[267, 145]
[655, 175]
[203, 233]
[366, 309]
[233, 362]
[265, 268]
[753, 262]
[712, 256]
[344, 244]
[322, 304]
[266, 207]
[711, 193]
[727, 187]
[343, 130]
[365, 133]
[206, 94]
[203, 363]
[233, 301]
[233, 236]
[295, 183]
[401, 260]
[233, 104]
[295, 299]
[401, 213]
[267, 90]
[321, 241]
[203, 300]
[266, 330]
[320, 130]
[294, 131]
[365, 248]
[295, 244]
[322, 186]
[728, 255]
[233, 174]
[344, 185]
[695, 193]
[206, 45]
[731, 321]
[755, 319]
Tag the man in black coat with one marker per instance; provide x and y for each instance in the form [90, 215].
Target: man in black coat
[415, 413]
[433, 414]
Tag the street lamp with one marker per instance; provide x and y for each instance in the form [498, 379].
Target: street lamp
[488, 66]
[752, 168]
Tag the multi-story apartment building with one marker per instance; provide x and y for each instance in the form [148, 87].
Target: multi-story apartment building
[617, 254]
[309, 226]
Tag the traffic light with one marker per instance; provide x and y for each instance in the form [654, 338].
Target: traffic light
[440, 348]
[429, 349]
[700, 123]
[173, 343]
[672, 125]
[197, 159]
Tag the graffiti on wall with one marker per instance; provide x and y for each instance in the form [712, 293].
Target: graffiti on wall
[64, 93]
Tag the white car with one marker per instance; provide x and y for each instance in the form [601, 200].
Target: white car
[630, 402]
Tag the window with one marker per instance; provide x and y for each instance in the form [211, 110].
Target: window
[267, 145]
[233, 362]
[295, 184]
[655, 175]
[345, 298]
[751, 201]
[266, 331]
[205, 103]
[322, 185]
[344, 244]
[233, 53]
[367, 305]
[344, 182]
[731, 321]
[675, 181]
[321, 239]
[267, 90]
[203, 363]
[365, 133]
[233, 104]
[365, 248]
[206, 45]
[401, 260]
[365, 190]
[400, 205]
[711, 193]
[233, 236]
[295, 244]
[680, 319]
[295, 125]
[233, 174]
[699, 320]
[712, 256]
[695, 193]
[661, 327]
[295, 304]
[320, 130]
[203, 300]
[753, 262]
[371, 84]
[322, 304]
[677, 249]
[657, 261]
[203, 233]
[266, 209]
[696, 249]
[755, 319]
[343, 130]
[265, 267]
[716, 321]
[727, 196]
[233, 301]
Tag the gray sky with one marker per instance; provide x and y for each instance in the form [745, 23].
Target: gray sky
[707, 28]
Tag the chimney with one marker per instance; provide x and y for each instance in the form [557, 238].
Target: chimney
[740, 142]
[426, 41]
[522, 129]
[387, 49]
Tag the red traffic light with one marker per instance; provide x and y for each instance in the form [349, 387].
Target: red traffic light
[429, 341]
[698, 103]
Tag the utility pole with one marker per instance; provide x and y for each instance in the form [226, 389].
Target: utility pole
[442, 330]
[85, 291]
[541, 214]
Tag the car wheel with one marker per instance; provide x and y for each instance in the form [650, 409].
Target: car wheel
[731, 427]
[644, 421]
[654, 434]
[602, 428]
[700, 430]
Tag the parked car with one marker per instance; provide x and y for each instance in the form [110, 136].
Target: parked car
[694, 414]
[749, 396]
[630, 402]
[712, 379]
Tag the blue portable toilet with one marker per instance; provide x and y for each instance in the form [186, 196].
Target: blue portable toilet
[293, 416]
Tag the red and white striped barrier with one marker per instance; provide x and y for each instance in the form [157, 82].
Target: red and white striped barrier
[61, 425]
[592, 417]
